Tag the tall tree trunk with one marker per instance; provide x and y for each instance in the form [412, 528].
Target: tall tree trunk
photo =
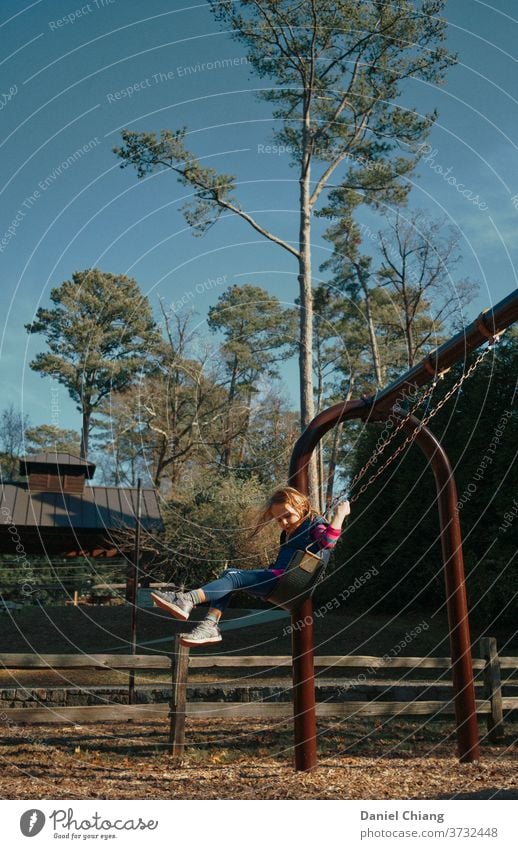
[409, 338]
[307, 409]
[333, 460]
[409, 334]
[159, 462]
[227, 441]
[306, 330]
[319, 459]
[117, 471]
[319, 450]
[376, 360]
[85, 434]
[246, 426]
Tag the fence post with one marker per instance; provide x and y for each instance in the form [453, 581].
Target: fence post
[492, 688]
[180, 671]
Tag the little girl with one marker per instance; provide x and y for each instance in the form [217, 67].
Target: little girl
[301, 528]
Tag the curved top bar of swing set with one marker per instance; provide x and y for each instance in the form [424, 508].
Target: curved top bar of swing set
[486, 327]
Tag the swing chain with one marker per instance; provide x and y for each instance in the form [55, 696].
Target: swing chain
[378, 451]
[413, 435]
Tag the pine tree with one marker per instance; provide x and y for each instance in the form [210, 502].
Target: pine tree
[259, 334]
[47, 437]
[100, 333]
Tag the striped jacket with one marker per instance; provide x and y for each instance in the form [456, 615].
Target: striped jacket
[314, 534]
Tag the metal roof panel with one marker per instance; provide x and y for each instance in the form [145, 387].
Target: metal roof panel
[95, 508]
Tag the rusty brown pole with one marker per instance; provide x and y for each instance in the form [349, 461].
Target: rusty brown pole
[456, 599]
[304, 707]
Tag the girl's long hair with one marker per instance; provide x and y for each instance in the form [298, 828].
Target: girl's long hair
[284, 495]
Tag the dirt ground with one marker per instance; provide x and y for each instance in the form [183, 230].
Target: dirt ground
[364, 759]
[358, 759]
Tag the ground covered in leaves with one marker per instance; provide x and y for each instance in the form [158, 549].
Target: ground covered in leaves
[360, 759]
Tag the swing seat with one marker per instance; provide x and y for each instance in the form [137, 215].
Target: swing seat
[298, 582]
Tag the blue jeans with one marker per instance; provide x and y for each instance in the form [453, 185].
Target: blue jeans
[257, 582]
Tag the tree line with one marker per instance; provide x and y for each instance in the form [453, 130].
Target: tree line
[206, 416]
[166, 397]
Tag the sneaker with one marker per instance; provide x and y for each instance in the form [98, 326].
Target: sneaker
[206, 632]
[178, 605]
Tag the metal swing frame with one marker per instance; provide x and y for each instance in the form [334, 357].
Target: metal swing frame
[485, 329]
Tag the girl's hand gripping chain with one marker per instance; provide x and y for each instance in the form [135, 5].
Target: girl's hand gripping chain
[342, 510]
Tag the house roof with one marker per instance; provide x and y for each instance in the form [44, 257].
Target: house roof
[96, 508]
[54, 459]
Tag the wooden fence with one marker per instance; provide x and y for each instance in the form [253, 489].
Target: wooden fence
[489, 665]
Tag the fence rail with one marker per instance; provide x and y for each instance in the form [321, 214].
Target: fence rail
[85, 661]
[179, 662]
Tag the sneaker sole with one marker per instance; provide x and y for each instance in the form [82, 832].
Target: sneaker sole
[185, 641]
[171, 608]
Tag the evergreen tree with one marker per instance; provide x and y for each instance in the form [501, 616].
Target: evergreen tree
[121, 442]
[353, 276]
[45, 437]
[100, 333]
[343, 367]
[267, 445]
[258, 335]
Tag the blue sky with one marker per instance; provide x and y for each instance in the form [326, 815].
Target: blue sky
[74, 74]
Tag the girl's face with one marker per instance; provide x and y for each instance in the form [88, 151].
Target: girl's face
[286, 516]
